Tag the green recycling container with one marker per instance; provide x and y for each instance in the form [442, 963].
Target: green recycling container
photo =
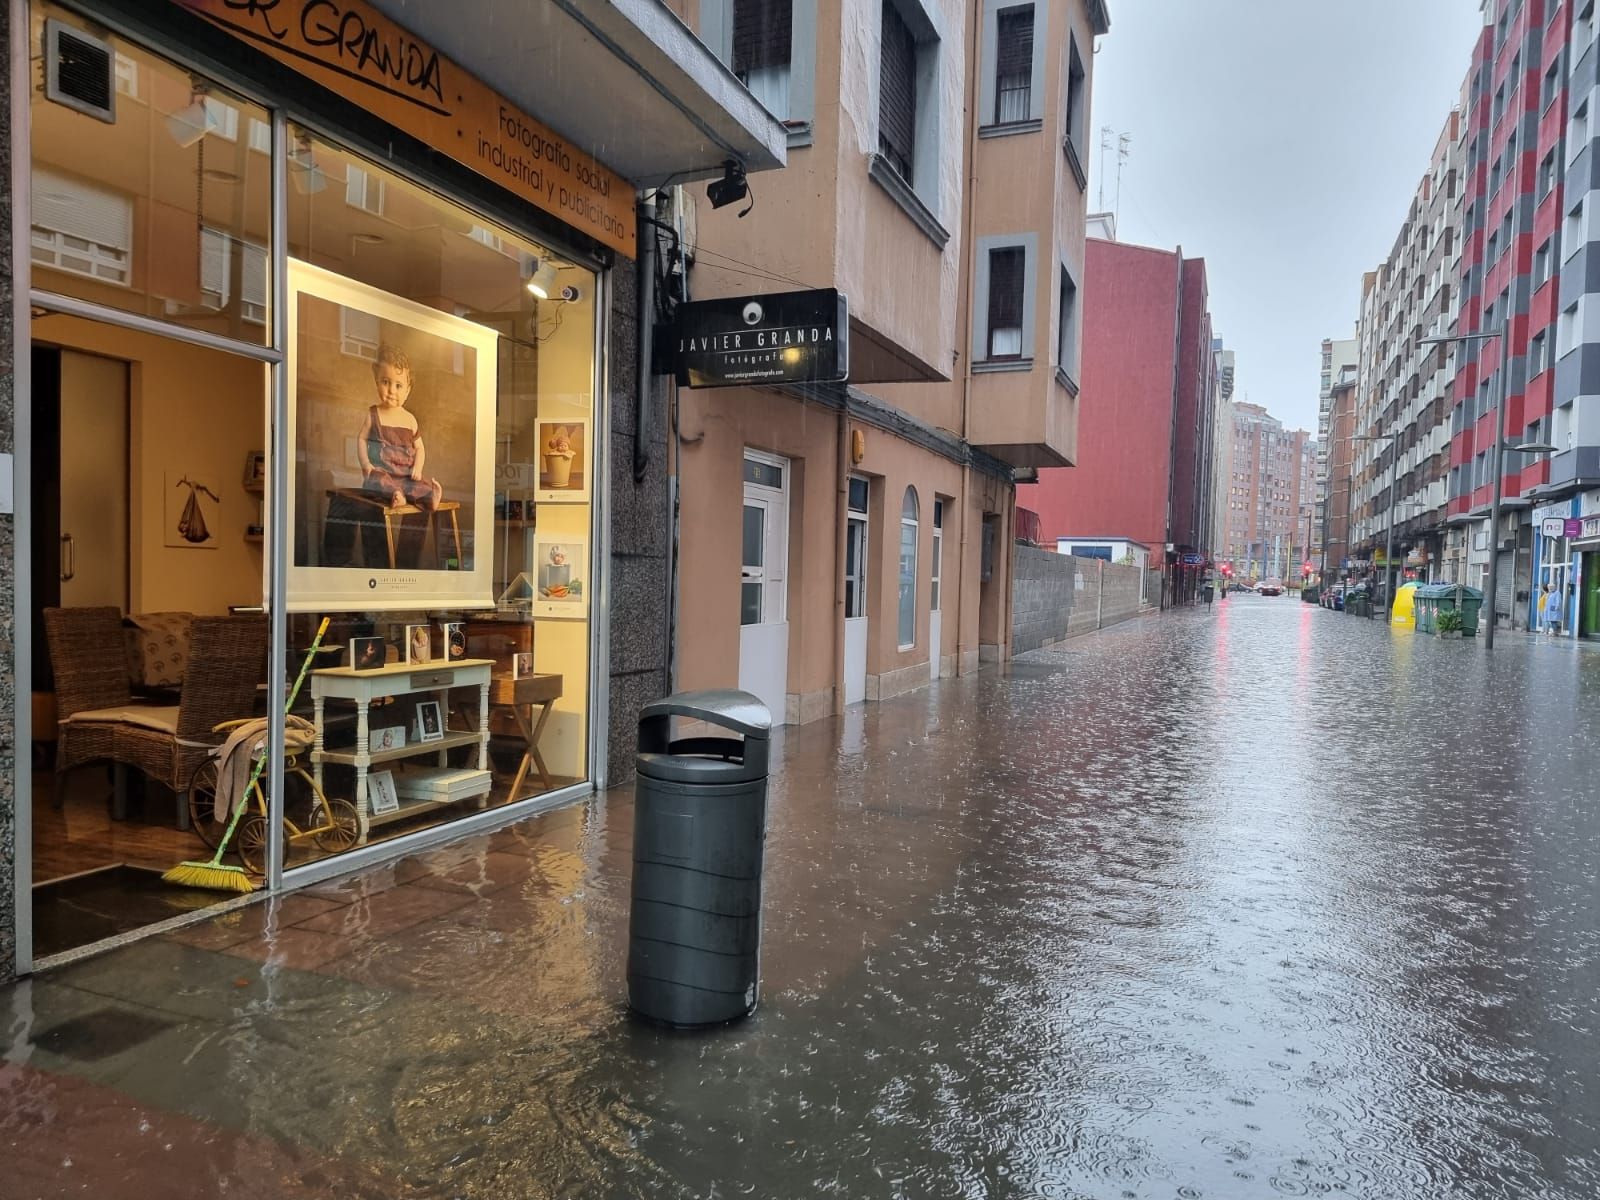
[1442, 598]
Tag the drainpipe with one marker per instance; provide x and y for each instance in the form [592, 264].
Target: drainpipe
[644, 319]
[964, 338]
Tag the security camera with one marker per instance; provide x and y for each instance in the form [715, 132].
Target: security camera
[570, 293]
[752, 313]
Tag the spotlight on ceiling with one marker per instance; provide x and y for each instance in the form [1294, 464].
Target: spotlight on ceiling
[731, 188]
[193, 121]
[543, 280]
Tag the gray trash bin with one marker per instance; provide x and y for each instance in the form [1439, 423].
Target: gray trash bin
[699, 833]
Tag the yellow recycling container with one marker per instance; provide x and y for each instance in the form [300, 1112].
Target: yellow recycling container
[1405, 607]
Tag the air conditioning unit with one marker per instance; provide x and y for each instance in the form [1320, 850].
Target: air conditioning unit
[80, 71]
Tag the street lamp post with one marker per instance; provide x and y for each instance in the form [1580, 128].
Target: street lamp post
[1500, 447]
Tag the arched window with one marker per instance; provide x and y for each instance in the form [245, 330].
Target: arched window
[908, 570]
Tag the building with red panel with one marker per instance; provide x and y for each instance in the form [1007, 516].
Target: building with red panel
[1146, 416]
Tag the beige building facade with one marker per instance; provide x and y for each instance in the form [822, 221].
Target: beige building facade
[845, 543]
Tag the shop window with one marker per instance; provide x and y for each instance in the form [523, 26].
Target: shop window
[762, 34]
[906, 622]
[441, 495]
[123, 201]
[1013, 51]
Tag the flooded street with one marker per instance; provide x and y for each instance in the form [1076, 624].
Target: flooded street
[1258, 901]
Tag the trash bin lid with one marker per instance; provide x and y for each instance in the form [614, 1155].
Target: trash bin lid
[696, 768]
[727, 707]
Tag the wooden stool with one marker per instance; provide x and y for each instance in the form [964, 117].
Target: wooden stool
[391, 511]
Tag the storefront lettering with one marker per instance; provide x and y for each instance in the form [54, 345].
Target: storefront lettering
[353, 48]
[760, 339]
[395, 58]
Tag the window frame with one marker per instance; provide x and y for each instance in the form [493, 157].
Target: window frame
[989, 122]
[919, 195]
[981, 360]
[716, 31]
[910, 522]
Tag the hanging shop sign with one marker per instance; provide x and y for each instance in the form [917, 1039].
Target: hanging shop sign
[350, 48]
[782, 337]
[1553, 527]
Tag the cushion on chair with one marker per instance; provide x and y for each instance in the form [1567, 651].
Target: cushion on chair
[161, 718]
[158, 647]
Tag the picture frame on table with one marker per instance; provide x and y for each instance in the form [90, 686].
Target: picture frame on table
[454, 640]
[368, 653]
[429, 725]
[255, 470]
[522, 664]
[391, 737]
[563, 460]
[381, 794]
[419, 644]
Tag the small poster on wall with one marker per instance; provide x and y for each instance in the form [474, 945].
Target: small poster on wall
[190, 516]
[560, 575]
[563, 461]
[414, 388]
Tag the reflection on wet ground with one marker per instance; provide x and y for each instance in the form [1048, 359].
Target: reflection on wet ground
[1259, 901]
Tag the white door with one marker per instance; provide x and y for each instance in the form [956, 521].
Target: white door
[935, 615]
[763, 582]
[855, 595]
[94, 481]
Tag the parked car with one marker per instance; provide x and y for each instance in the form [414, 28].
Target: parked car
[1270, 587]
[1333, 597]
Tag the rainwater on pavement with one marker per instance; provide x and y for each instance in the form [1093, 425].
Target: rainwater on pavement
[1252, 901]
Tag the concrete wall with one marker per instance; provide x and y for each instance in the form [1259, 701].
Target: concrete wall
[8, 575]
[1057, 596]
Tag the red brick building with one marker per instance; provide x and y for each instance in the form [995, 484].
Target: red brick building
[1146, 414]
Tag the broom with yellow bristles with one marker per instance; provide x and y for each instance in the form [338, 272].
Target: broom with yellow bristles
[214, 876]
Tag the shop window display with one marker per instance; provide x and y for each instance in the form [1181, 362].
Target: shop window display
[442, 405]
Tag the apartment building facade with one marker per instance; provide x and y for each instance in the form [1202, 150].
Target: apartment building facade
[1336, 478]
[1146, 462]
[1337, 355]
[1270, 486]
[853, 541]
[1402, 446]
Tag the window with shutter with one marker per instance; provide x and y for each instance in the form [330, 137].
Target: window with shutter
[1013, 81]
[762, 33]
[1077, 100]
[897, 92]
[81, 228]
[1005, 302]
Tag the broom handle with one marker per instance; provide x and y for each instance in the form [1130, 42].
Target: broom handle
[261, 759]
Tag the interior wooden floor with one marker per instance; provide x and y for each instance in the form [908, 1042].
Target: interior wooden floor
[81, 835]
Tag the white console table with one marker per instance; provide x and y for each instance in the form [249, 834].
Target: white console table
[398, 679]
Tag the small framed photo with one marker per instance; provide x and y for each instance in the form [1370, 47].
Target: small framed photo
[391, 738]
[430, 721]
[561, 566]
[522, 664]
[563, 460]
[255, 469]
[381, 795]
[419, 644]
[454, 640]
[368, 653]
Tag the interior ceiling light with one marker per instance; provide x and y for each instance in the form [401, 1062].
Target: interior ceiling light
[192, 122]
[543, 280]
[307, 177]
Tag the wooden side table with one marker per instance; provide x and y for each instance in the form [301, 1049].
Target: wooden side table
[445, 508]
[522, 696]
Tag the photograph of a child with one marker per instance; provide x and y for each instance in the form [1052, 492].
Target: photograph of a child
[411, 390]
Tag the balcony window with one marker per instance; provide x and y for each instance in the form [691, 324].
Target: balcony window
[1013, 92]
[1067, 333]
[1077, 108]
[897, 92]
[1006, 269]
[1552, 85]
[762, 36]
[1547, 175]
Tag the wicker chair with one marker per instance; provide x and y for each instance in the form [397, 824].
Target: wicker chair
[227, 662]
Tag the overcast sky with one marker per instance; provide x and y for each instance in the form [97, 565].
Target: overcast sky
[1280, 140]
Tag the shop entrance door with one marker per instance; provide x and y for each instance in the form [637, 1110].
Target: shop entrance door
[1589, 604]
[764, 581]
[1552, 615]
[92, 542]
[855, 594]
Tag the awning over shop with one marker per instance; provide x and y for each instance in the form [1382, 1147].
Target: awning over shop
[625, 79]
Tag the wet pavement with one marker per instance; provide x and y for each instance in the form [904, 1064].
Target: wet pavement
[1252, 902]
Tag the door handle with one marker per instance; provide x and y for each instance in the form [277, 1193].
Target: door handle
[69, 558]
